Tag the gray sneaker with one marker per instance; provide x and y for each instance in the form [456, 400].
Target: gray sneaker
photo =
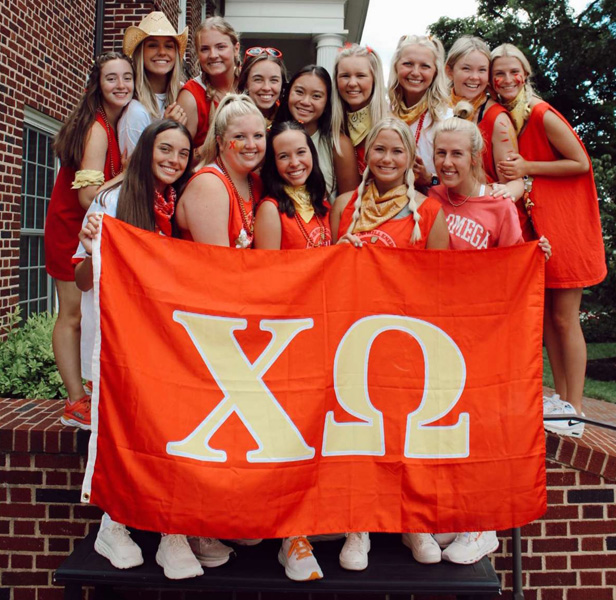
[210, 552]
[556, 406]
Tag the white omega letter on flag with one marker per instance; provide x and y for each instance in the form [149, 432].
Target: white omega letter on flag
[244, 392]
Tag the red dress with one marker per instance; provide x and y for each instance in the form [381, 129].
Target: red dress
[65, 214]
[197, 90]
[566, 211]
[296, 234]
[236, 223]
[486, 126]
[396, 232]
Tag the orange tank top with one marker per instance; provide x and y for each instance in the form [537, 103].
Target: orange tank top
[238, 219]
[296, 234]
[486, 126]
[396, 232]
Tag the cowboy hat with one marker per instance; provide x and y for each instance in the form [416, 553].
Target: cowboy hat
[155, 24]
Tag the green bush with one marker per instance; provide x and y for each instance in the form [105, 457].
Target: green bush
[27, 364]
[598, 326]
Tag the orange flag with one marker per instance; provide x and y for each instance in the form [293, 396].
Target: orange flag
[272, 393]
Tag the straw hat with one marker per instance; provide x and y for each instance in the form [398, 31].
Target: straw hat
[155, 24]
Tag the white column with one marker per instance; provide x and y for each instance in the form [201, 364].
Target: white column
[327, 49]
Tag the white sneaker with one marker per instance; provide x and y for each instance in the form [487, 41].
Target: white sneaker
[471, 547]
[113, 541]
[423, 546]
[299, 563]
[444, 539]
[176, 558]
[556, 406]
[354, 553]
[210, 552]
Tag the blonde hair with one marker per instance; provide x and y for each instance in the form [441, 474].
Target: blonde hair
[463, 46]
[438, 92]
[393, 124]
[459, 124]
[378, 103]
[514, 52]
[231, 107]
[143, 90]
[225, 28]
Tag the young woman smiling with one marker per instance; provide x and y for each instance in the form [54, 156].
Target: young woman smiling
[262, 78]
[157, 51]
[468, 68]
[89, 154]
[218, 48]
[358, 98]
[218, 204]
[565, 208]
[308, 101]
[418, 94]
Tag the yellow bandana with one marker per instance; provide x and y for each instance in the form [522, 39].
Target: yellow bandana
[359, 124]
[519, 109]
[410, 115]
[377, 209]
[476, 103]
[301, 200]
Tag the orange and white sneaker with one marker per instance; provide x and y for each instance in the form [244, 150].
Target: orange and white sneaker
[77, 413]
[296, 557]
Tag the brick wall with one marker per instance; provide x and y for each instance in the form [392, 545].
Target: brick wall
[42, 67]
[569, 554]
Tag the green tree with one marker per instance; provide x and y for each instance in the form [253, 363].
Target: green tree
[573, 56]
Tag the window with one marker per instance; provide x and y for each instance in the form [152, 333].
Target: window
[36, 291]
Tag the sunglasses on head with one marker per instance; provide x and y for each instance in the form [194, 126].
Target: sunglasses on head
[258, 50]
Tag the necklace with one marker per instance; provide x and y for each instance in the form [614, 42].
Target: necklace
[322, 240]
[248, 223]
[419, 126]
[103, 116]
[459, 203]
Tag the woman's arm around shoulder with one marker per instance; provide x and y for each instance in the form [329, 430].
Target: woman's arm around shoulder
[94, 155]
[204, 210]
[504, 141]
[188, 103]
[345, 166]
[268, 227]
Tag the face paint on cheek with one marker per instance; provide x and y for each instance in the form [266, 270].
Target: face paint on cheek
[498, 81]
[518, 79]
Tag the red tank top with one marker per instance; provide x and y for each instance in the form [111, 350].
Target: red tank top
[196, 88]
[396, 232]
[486, 126]
[236, 219]
[296, 234]
[566, 211]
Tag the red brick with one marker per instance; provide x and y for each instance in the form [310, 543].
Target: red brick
[52, 594]
[56, 461]
[555, 497]
[21, 561]
[49, 562]
[59, 545]
[24, 593]
[23, 527]
[560, 479]
[20, 460]
[581, 458]
[56, 478]
[59, 511]
[21, 494]
[17, 477]
[5, 525]
[550, 594]
[593, 512]
[592, 527]
[562, 513]
[589, 578]
[22, 544]
[555, 545]
[87, 511]
[565, 451]
[531, 530]
[24, 511]
[552, 579]
[610, 577]
[23, 578]
[556, 563]
[593, 544]
[555, 529]
[593, 561]
[62, 528]
[590, 479]
[4, 562]
[591, 593]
